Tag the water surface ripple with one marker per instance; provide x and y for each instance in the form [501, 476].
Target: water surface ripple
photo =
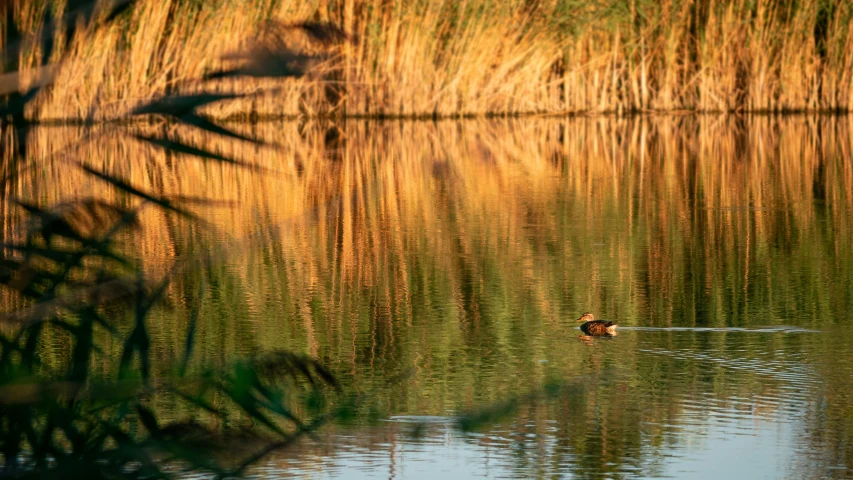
[437, 268]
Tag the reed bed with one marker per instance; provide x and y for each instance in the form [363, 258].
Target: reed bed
[424, 58]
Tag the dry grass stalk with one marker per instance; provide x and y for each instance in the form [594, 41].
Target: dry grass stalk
[427, 58]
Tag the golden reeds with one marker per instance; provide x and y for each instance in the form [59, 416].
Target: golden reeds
[455, 58]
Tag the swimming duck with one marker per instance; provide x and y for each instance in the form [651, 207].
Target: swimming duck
[597, 328]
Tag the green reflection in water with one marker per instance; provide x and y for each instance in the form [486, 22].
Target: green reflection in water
[439, 267]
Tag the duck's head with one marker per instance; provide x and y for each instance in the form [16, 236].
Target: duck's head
[586, 317]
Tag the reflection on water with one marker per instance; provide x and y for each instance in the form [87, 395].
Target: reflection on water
[735, 408]
[770, 329]
[462, 253]
[712, 450]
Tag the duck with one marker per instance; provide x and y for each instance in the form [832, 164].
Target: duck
[597, 328]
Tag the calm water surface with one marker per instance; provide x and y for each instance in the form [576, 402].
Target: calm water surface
[438, 268]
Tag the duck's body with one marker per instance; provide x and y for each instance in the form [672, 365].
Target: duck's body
[597, 328]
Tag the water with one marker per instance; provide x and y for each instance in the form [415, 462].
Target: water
[640, 406]
[438, 268]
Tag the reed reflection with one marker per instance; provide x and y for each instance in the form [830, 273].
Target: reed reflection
[450, 260]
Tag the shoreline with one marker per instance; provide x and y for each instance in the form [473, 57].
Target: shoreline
[244, 118]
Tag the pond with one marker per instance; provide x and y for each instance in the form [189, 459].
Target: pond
[439, 268]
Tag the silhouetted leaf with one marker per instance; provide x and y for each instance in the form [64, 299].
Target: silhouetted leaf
[99, 294]
[21, 276]
[262, 63]
[179, 105]
[496, 412]
[195, 310]
[138, 340]
[61, 255]
[191, 453]
[275, 34]
[55, 254]
[127, 187]
[118, 8]
[46, 223]
[207, 125]
[156, 294]
[179, 147]
[76, 13]
[283, 363]
[149, 420]
[198, 401]
[479, 418]
[82, 220]
[240, 390]
[321, 32]
[307, 429]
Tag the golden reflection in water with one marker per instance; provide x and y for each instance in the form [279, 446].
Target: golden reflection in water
[356, 202]
[462, 252]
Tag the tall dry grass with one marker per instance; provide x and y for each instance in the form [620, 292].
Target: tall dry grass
[457, 57]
